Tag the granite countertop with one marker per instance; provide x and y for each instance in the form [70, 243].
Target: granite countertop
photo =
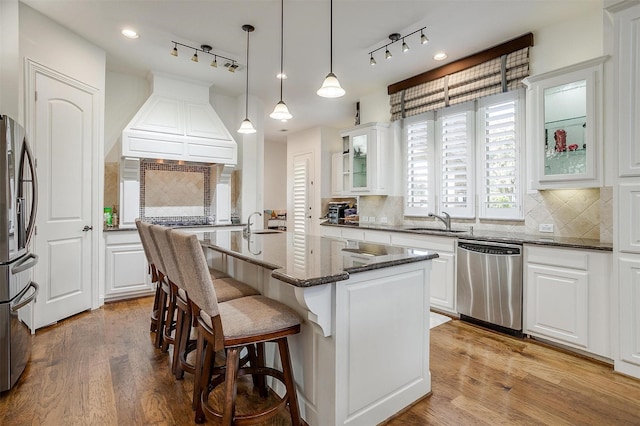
[308, 260]
[133, 228]
[490, 236]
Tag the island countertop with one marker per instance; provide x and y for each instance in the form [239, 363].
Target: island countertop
[308, 260]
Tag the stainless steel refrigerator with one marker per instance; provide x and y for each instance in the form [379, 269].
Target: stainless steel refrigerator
[18, 206]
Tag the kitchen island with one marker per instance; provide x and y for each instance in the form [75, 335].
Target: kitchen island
[363, 351]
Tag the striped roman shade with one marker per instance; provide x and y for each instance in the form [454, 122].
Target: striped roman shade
[496, 75]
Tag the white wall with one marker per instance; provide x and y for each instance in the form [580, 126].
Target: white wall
[124, 95]
[275, 175]
[9, 59]
[251, 158]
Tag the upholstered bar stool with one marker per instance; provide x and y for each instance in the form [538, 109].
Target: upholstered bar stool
[154, 279]
[230, 326]
[164, 294]
[226, 289]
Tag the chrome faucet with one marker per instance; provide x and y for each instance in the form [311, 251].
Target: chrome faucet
[247, 230]
[446, 219]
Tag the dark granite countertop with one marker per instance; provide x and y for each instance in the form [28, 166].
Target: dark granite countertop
[117, 228]
[490, 236]
[308, 260]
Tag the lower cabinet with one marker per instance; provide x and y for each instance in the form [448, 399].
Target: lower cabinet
[566, 297]
[443, 280]
[628, 360]
[126, 270]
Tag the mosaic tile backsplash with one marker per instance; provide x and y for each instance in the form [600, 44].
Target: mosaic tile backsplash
[171, 192]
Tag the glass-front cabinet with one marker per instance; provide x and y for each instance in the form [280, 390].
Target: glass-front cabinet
[564, 125]
[362, 167]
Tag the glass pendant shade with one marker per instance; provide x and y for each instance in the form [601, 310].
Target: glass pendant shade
[331, 87]
[281, 112]
[174, 51]
[246, 127]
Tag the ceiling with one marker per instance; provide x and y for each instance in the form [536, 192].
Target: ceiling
[458, 27]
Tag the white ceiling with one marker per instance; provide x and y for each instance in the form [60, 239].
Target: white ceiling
[459, 27]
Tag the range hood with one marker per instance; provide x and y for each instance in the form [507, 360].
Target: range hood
[178, 123]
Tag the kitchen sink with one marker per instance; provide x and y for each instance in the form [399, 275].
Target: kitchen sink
[436, 230]
[266, 231]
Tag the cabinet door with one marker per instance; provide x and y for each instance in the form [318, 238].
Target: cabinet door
[628, 214]
[629, 92]
[337, 171]
[360, 162]
[557, 304]
[126, 271]
[629, 317]
[443, 289]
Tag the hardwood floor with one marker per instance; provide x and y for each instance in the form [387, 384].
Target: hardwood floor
[100, 368]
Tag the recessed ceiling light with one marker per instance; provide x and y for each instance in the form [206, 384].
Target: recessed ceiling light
[129, 33]
[440, 56]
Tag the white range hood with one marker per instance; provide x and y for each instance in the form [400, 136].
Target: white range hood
[177, 122]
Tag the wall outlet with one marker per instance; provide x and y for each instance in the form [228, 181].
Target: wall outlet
[546, 227]
[383, 219]
[364, 219]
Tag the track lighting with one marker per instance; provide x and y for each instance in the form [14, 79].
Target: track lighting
[394, 37]
[231, 64]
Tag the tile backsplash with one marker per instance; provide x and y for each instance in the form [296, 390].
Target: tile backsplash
[579, 213]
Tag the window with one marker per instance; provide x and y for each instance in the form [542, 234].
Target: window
[443, 151]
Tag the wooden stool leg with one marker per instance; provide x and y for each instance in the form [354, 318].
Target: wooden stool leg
[199, 377]
[260, 380]
[177, 342]
[169, 324]
[231, 390]
[185, 333]
[287, 370]
[161, 318]
[154, 313]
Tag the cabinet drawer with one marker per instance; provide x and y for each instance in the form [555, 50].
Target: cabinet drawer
[563, 258]
[424, 241]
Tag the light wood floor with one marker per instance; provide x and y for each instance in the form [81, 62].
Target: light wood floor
[100, 368]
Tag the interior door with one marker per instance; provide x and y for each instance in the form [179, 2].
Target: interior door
[62, 137]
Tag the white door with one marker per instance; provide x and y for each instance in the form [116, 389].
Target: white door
[302, 192]
[62, 136]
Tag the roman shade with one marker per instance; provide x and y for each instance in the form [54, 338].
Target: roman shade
[496, 70]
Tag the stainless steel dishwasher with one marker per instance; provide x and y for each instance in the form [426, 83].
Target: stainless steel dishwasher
[489, 284]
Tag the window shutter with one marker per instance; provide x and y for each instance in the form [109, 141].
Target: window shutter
[455, 132]
[420, 172]
[300, 194]
[499, 148]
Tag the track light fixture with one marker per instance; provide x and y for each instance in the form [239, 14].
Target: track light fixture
[231, 64]
[395, 37]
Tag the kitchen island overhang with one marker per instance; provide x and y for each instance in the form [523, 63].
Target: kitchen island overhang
[363, 351]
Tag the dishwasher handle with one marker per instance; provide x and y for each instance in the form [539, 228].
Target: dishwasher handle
[499, 250]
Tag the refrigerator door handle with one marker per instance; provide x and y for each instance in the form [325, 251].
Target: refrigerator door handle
[26, 156]
[25, 263]
[21, 303]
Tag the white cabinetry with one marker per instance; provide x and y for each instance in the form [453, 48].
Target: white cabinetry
[362, 167]
[125, 266]
[443, 280]
[566, 296]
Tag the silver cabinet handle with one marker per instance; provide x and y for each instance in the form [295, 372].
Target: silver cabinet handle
[87, 228]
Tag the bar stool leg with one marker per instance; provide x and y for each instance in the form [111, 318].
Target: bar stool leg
[161, 318]
[285, 359]
[201, 375]
[231, 388]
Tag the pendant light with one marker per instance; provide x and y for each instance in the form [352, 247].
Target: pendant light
[331, 86]
[281, 112]
[246, 126]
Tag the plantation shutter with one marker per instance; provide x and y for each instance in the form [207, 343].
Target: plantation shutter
[300, 193]
[456, 135]
[499, 141]
[420, 161]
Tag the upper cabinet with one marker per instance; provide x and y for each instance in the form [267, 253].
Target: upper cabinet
[564, 126]
[362, 166]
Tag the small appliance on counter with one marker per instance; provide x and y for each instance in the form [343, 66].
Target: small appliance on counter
[336, 211]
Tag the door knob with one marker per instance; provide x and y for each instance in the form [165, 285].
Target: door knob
[87, 228]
